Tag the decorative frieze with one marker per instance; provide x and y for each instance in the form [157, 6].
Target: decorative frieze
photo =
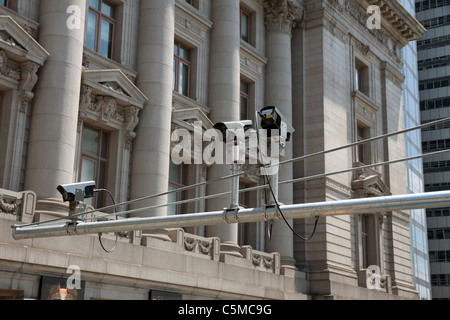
[356, 13]
[6, 69]
[104, 107]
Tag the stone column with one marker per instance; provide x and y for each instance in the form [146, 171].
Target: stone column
[280, 18]
[53, 128]
[224, 96]
[151, 148]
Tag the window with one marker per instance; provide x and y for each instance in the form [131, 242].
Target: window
[101, 26]
[4, 3]
[181, 69]
[94, 161]
[440, 279]
[436, 22]
[361, 77]
[244, 104]
[193, 3]
[177, 179]
[245, 25]
[364, 241]
[439, 234]
[368, 240]
[363, 150]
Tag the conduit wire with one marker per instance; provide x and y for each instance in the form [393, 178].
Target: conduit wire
[100, 235]
[252, 171]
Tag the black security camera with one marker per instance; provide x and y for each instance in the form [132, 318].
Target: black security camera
[69, 191]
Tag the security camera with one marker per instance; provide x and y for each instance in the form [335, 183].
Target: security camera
[229, 128]
[273, 119]
[74, 191]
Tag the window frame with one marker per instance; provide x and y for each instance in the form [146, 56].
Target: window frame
[362, 77]
[178, 62]
[363, 151]
[249, 14]
[98, 27]
[8, 4]
[181, 183]
[98, 160]
[244, 95]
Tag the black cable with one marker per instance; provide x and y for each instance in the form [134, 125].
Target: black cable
[273, 193]
[101, 234]
[285, 220]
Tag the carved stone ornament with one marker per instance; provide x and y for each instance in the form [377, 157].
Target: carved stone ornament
[106, 106]
[28, 80]
[190, 244]
[85, 100]
[131, 122]
[6, 207]
[282, 15]
[257, 259]
[6, 69]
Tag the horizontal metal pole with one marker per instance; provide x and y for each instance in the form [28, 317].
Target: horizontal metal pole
[297, 211]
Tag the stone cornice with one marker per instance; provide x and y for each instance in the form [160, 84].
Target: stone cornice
[356, 12]
[282, 15]
[397, 16]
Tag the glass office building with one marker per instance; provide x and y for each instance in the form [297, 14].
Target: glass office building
[418, 225]
[434, 88]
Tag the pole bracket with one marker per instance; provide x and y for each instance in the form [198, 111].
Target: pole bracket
[275, 216]
[228, 211]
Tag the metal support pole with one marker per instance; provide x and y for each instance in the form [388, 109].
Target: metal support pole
[235, 187]
[274, 183]
[297, 211]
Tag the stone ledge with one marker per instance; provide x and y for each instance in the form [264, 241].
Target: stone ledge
[158, 265]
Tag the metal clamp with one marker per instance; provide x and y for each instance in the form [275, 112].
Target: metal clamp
[71, 232]
[275, 216]
[235, 215]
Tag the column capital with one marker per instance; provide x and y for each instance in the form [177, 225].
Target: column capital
[282, 15]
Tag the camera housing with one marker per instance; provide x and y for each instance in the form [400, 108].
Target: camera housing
[229, 128]
[273, 119]
[69, 191]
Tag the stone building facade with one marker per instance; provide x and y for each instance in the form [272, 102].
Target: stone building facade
[92, 90]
